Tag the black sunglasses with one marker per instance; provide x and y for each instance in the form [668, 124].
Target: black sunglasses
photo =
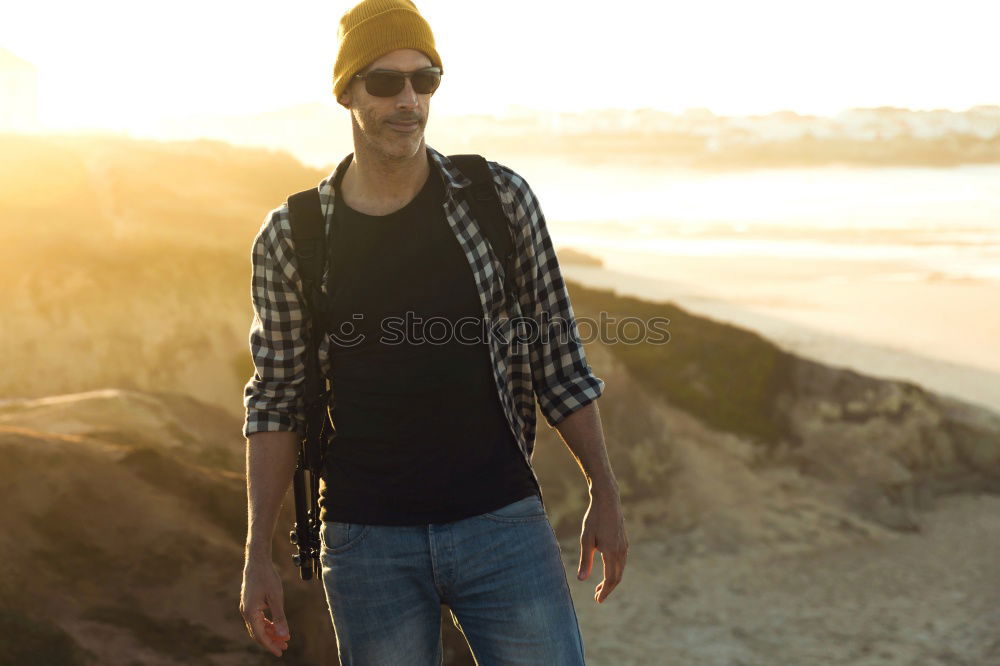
[389, 82]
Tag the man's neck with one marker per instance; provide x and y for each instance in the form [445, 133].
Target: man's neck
[375, 183]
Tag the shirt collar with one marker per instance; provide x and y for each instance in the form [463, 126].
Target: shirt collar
[454, 179]
[452, 176]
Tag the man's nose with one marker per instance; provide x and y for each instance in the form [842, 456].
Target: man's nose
[407, 95]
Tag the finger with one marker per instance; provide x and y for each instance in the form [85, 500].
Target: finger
[258, 629]
[261, 634]
[587, 548]
[280, 622]
[605, 590]
[274, 628]
[612, 576]
[617, 569]
[600, 586]
[611, 565]
[280, 641]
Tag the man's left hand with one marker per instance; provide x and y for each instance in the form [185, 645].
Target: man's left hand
[603, 530]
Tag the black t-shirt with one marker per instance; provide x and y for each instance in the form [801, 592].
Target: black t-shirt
[421, 436]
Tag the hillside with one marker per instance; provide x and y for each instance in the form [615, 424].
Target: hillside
[124, 534]
[123, 486]
[127, 263]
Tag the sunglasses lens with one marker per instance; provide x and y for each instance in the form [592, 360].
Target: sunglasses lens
[384, 84]
[426, 82]
[388, 84]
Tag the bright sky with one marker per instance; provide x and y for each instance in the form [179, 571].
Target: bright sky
[122, 64]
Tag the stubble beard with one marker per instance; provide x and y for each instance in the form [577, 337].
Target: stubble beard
[381, 137]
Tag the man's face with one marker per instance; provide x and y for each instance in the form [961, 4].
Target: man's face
[373, 116]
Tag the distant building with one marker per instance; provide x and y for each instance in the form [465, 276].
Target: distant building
[18, 93]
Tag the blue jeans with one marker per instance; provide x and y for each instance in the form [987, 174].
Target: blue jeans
[500, 573]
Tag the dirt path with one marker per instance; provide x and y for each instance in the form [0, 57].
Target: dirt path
[922, 599]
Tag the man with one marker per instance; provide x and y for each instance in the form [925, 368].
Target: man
[428, 496]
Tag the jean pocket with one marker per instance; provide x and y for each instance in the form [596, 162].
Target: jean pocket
[338, 537]
[523, 510]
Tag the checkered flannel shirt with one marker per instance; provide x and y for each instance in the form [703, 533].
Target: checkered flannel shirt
[555, 370]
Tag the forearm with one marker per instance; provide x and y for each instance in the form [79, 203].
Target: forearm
[271, 460]
[583, 434]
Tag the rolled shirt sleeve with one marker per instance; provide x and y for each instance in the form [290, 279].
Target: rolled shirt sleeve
[273, 395]
[563, 380]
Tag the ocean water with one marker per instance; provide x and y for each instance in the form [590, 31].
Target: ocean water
[937, 223]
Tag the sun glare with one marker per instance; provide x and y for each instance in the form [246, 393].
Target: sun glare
[121, 66]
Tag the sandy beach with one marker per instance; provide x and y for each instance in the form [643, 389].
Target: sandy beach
[882, 319]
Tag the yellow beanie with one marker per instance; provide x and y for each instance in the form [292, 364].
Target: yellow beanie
[373, 28]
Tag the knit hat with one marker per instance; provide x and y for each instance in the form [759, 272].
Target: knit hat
[373, 28]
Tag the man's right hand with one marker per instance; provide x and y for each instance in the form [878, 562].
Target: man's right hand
[262, 589]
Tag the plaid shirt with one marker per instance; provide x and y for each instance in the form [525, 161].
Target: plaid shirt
[553, 368]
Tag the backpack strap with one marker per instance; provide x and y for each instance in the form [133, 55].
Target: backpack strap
[488, 211]
[306, 218]
[305, 215]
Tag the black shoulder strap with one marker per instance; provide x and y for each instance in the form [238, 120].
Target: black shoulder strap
[305, 216]
[487, 209]
[309, 236]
